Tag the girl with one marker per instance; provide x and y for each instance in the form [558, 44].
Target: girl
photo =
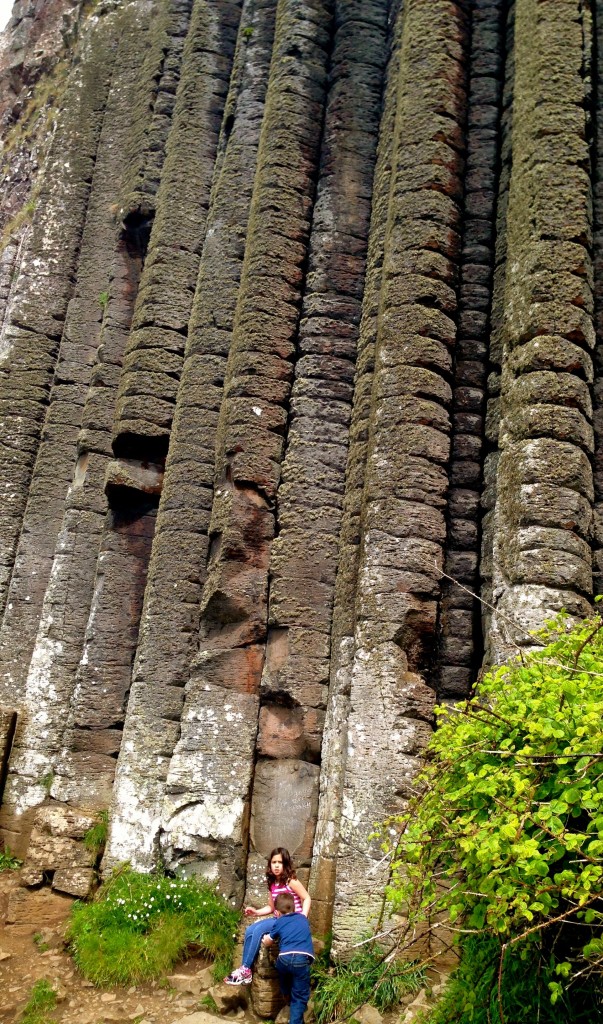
[280, 877]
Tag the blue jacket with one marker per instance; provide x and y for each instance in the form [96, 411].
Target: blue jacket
[293, 934]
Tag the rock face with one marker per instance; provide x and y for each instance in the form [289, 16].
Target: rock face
[299, 350]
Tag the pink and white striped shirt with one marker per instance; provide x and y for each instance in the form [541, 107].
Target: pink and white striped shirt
[279, 887]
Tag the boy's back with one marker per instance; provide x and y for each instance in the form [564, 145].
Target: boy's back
[293, 934]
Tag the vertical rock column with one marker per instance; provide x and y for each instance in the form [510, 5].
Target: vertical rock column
[166, 32]
[492, 417]
[169, 635]
[92, 739]
[303, 560]
[54, 466]
[153, 359]
[211, 769]
[403, 527]
[459, 624]
[326, 840]
[58, 637]
[543, 515]
[598, 275]
[30, 339]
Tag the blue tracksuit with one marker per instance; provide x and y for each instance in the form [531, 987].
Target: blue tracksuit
[295, 956]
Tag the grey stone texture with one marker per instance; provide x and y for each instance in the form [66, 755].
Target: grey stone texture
[300, 358]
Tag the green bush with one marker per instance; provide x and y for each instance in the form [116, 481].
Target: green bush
[42, 1001]
[138, 926]
[369, 977]
[471, 996]
[504, 838]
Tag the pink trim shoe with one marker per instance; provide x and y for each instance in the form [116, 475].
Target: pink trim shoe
[240, 976]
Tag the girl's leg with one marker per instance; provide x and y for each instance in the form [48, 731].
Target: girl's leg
[253, 939]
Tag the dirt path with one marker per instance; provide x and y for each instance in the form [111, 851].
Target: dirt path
[32, 928]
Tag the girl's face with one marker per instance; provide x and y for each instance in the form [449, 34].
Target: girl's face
[276, 865]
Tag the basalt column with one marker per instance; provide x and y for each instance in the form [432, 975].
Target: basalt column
[598, 271]
[31, 335]
[543, 514]
[169, 635]
[459, 633]
[403, 524]
[153, 359]
[211, 770]
[326, 840]
[303, 560]
[90, 356]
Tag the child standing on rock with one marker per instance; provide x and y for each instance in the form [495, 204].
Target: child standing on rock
[295, 955]
[281, 880]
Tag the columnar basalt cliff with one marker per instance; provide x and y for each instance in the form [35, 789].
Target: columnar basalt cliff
[300, 350]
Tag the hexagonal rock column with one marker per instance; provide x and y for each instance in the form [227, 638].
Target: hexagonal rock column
[153, 359]
[51, 590]
[334, 740]
[543, 514]
[169, 637]
[208, 786]
[403, 527]
[304, 556]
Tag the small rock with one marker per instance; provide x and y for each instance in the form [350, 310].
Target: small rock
[108, 997]
[189, 983]
[229, 997]
[368, 1014]
[60, 991]
[4, 955]
[131, 989]
[200, 1017]
[205, 978]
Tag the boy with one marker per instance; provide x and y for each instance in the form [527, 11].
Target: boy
[295, 955]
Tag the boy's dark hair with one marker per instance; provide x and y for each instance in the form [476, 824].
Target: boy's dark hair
[284, 903]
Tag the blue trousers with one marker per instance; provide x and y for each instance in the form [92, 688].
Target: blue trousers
[253, 939]
[294, 978]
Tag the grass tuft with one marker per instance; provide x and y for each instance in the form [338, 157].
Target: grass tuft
[7, 861]
[369, 977]
[96, 836]
[139, 926]
[41, 1003]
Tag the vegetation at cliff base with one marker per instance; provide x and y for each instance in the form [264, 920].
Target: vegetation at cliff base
[7, 861]
[139, 926]
[41, 1003]
[96, 836]
[370, 976]
[502, 846]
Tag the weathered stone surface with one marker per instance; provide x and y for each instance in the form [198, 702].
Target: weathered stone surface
[398, 578]
[299, 351]
[266, 996]
[533, 412]
[56, 852]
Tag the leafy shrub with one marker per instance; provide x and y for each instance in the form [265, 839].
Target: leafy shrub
[505, 835]
[471, 996]
[42, 1001]
[371, 976]
[138, 926]
[7, 861]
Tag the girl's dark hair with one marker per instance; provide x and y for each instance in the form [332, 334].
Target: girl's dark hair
[288, 869]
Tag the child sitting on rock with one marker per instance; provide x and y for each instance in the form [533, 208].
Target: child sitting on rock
[295, 955]
[280, 878]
